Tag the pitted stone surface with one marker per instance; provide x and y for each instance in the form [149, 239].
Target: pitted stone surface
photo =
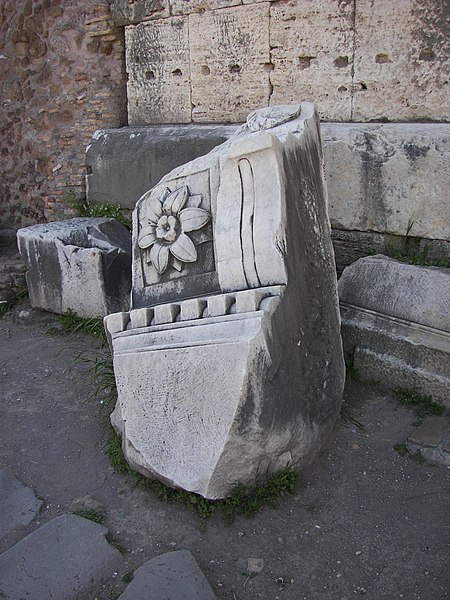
[171, 576]
[18, 504]
[80, 264]
[66, 559]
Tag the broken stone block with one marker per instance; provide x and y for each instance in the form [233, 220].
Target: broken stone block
[81, 264]
[396, 323]
[237, 370]
[170, 576]
[68, 558]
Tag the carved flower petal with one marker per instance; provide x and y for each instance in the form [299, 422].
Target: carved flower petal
[177, 264]
[159, 256]
[176, 200]
[152, 204]
[183, 248]
[147, 236]
[193, 218]
[195, 200]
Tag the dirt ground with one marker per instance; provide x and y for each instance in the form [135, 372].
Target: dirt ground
[364, 522]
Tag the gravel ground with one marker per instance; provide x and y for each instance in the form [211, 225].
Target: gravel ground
[365, 521]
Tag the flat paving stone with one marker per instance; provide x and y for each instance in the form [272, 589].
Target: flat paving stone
[171, 576]
[430, 433]
[66, 559]
[18, 504]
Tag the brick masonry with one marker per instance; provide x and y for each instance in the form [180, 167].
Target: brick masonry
[61, 78]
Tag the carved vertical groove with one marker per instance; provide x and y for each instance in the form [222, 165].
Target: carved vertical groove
[247, 213]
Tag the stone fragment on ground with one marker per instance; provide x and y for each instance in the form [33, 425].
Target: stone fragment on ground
[65, 259]
[68, 558]
[171, 576]
[432, 439]
[18, 503]
[396, 324]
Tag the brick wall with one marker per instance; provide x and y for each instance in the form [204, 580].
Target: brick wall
[61, 77]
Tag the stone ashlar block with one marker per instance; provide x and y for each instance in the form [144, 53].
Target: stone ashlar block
[409, 292]
[125, 12]
[401, 77]
[395, 324]
[186, 7]
[81, 264]
[385, 178]
[389, 178]
[312, 55]
[230, 63]
[254, 384]
[157, 63]
[122, 164]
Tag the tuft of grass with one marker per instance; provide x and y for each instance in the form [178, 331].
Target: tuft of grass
[15, 298]
[128, 577]
[100, 370]
[349, 419]
[242, 501]
[423, 406]
[403, 450]
[91, 515]
[73, 323]
[83, 208]
[421, 258]
[350, 370]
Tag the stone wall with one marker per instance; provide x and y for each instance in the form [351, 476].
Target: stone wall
[209, 61]
[61, 78]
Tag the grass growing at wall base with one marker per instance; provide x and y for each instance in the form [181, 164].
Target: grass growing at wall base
[423, 406]
[242, 501]
[83, 208]
[70, 322]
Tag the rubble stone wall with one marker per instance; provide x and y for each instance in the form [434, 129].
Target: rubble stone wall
[209, 61]
[62, 77]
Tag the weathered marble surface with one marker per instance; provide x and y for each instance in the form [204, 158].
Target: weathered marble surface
[81, 264]
[396, 324]
[229, 365]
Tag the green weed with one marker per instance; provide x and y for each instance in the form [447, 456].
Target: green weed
[72, 323]
[83, 208]
[242, 501]
[91, 515]
[423, 406]
[403, 450]
[15, 298]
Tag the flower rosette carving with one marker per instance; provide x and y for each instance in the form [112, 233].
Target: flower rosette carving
[166, 220]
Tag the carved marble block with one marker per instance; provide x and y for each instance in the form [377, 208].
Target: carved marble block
[229, 365]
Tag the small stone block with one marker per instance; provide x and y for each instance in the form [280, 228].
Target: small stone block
[192, 309]
[249, 300]
[166, 313]
[18, 504]
[67, 558]
[430, 433]
[116, 322]
[171, 576]
[446, 447]
[141, 317]
[219, 305]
